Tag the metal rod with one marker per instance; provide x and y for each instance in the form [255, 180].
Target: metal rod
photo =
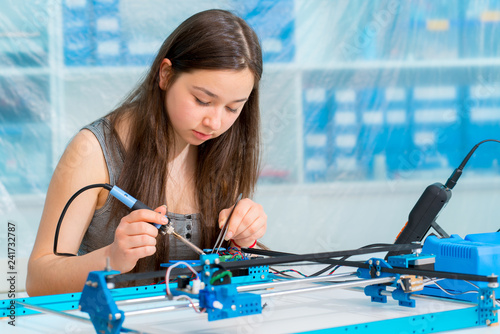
[160, 309]
[140, 300]
[48, 310]
[350, 284]
[67, 315]
[189, 243]
[291, 282]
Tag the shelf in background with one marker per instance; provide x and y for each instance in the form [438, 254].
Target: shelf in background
[108, 70]
[23, 71]
[377, 187]
[273, 67]
[392, 64]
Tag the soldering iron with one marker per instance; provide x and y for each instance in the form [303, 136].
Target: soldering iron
[131, 203]
[425, 212]
[135, 204]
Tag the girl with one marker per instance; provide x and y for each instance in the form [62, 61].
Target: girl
[187, 136]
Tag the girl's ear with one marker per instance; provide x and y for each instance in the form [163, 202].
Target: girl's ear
[165, 73]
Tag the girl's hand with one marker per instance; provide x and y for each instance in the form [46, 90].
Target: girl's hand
[248, 222]
[135, 238]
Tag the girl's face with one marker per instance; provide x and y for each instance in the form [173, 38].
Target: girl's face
[203, 104]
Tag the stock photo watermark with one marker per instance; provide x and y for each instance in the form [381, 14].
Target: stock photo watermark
[11, 271]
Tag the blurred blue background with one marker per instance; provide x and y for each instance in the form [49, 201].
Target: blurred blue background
[364, 103]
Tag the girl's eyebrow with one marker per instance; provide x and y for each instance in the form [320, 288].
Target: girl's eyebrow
[209, 93]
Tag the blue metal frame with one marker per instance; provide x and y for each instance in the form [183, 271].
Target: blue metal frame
[100, 302]
[424, 323]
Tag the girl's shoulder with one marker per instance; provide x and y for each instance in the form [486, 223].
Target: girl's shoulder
[83, 157]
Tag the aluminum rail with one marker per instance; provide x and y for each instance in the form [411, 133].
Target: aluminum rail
[350, 284]
[293, 282]
[161, 309]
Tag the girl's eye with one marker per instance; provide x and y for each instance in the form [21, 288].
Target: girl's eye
[200, 102]
[232, 110]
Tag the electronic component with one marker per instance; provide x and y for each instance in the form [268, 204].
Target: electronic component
[477, 254]
[423, 215]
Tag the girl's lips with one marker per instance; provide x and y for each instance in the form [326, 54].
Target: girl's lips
[201, 136]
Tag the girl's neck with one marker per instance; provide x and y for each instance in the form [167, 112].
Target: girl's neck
[181, 190]
[182, 159]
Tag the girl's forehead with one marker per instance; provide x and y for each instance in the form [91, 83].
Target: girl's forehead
[221, 82]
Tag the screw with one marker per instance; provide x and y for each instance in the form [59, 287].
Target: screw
[95, 284]
[118, 316]
[488, 322]
[108, 264]
[377, 273]
[263, 276]
[377, 263]
[207, 262]
[370, 262]
[233, 307]
[207, 273]
[216, 261]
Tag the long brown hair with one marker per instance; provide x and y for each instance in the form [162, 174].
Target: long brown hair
[226, 165]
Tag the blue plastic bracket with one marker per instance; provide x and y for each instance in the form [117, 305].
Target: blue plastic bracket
[403, 298]
[224, 301]
[375, 292]
[374, 270]
[230, 303]
[487, 311]
[98, 302]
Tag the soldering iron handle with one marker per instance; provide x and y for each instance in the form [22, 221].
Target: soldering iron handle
[133, 204]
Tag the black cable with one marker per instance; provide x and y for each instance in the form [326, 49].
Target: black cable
[275, 253]
[452, 181]
[59, 223]
[345, 258]
[314, 257]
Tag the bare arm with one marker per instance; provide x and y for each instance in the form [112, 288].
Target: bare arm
[82, 164]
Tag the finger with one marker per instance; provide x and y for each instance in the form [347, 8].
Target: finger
[136, 228]
[140, 252]
[236, 218]
[145, 215]
[250, 240]
[223, 217]
[251, 216]
[136, 241]
[162, 209]
[254, 231]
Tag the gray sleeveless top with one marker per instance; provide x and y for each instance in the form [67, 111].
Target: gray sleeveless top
[100, 233]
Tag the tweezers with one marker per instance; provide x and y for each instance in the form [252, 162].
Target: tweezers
[223, 231]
